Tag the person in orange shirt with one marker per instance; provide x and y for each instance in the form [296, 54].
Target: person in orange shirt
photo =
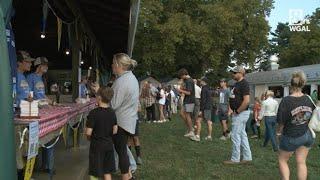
[255, 124]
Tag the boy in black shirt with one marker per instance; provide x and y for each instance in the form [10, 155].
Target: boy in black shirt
[101, 125]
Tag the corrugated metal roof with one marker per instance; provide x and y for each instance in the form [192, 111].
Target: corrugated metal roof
[283, 75]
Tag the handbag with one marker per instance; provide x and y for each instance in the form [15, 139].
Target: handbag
[314, 123]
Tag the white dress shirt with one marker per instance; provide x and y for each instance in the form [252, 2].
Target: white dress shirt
[197, 91]
[269, 108]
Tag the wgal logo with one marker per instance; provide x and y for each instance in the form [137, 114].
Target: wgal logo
[297, 21]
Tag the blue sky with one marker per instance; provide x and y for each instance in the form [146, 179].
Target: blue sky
[280, 13]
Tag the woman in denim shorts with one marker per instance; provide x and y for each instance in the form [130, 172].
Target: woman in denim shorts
[293, 116]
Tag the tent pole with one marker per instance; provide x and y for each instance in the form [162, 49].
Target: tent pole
[75, 64]
[7, 141]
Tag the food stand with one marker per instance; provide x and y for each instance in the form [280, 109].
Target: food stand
[53, 122]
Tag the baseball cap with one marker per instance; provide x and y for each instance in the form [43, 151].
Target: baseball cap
[40, 60]
[223, 80]
[24, 56]
[238, 69]
[204, 79]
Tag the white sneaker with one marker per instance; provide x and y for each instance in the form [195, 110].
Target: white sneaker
[190, 134]
[223, 138]
[195, 138]
[229, 135]
[208, 138]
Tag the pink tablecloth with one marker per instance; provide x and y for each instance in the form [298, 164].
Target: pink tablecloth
[55, 117]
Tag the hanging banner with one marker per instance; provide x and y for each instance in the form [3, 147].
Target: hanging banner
[13, 61]
[44, 15]
[59, 24]
[33, 139]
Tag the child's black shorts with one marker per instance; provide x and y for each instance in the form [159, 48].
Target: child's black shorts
[101, 162]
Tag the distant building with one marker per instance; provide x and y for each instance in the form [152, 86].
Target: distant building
[173, 82]
[279, 80]
[150, 79]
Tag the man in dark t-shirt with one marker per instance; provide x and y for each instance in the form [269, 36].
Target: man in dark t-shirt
[239, 102]
[189, 100]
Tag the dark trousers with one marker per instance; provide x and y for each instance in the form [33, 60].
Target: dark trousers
[150, 114]
[270, 133]
[167, 111]
[120, 143]
[48, 158]
[156, 110]
[255, 128]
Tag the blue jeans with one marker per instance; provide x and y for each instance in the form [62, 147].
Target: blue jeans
[291, 144]
[255, 128]
[239, 137]
[270, 133]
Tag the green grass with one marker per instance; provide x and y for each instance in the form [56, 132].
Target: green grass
[168, 155]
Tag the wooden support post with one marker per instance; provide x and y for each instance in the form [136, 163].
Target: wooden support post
[75, 64]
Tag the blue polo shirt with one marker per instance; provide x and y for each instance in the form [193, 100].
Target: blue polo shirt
[23, 88]
[37, 86]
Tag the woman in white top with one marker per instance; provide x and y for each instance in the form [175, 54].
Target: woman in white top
[269, 111]
[162, 103]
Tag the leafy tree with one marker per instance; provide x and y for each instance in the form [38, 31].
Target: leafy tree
[200, 35]
[298, 48]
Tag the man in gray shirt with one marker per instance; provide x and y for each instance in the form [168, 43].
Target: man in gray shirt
[223, 108]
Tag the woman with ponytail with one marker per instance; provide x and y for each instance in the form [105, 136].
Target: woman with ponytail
[294, 114]
[125, 104]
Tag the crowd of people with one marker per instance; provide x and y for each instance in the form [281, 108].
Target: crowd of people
[286, 123]
[123, 104]
[158, 104]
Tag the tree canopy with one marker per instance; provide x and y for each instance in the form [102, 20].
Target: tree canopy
[200, 35]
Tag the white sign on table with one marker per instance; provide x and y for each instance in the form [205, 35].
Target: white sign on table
[33, 139]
